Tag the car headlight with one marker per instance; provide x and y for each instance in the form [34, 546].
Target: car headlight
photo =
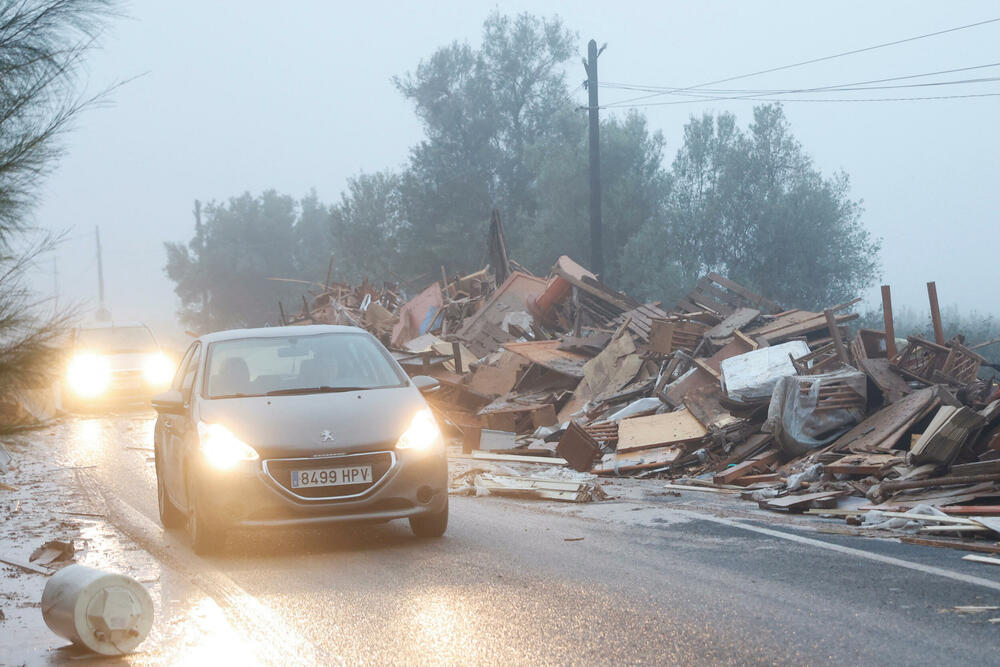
[221, 449]
[88, 375]
[422, 434]
[158, 369]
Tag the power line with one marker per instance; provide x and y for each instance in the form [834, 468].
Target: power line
[670, 90]
[756, 95]
[823, 59]
[813, 99]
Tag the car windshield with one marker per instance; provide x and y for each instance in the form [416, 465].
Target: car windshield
[298, 365]
[113, 340]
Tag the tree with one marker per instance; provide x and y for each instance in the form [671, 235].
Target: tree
[635, 190]
[482, 111]
[224, 275]
[751, 205]
[313, 238]
[42, 44]
[366, 225]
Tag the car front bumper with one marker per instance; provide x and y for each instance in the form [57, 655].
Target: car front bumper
[124, 387]
[415, 484]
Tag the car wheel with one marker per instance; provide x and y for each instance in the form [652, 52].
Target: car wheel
[205, 538]
[430, 525]
[170, 516]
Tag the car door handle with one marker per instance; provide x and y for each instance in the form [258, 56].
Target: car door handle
[167, 423]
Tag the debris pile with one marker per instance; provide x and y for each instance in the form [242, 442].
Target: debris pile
[726, 390]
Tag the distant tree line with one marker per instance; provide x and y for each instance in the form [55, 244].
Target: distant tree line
[501, 131]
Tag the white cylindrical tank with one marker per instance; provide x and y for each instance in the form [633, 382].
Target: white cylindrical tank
[108, 613]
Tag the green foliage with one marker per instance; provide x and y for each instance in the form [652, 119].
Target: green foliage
[368, 221]
[635, 190]
[313, 239]
[483, 111]
[752, 206]
[224, 275]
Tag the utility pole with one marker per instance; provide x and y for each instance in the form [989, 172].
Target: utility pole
[199, 235]
[103, 315]
[596, 243]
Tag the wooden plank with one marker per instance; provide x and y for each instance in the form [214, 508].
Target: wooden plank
[798, 503]
[29, 567]
[890, 330]
[704, 404]
[935, 313]
[838, 343]
[981, 559]
[659, 430]
[510, 458]
[883, 429]
[754, 298]
[706, 489]
[890, 383]
[971, 509]
[750, 480]
[862, 464]
[945, 435]
[740, 318]
[967, 546]
[757, 464]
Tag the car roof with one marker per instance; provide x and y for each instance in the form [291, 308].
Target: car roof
[277, 332]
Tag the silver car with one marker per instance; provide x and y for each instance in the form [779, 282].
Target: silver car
[296, 426]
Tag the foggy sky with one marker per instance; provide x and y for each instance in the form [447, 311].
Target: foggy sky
[246, 96]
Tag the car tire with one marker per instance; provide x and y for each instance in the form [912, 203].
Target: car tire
[205, 537]
[430, 525]
[170, 515]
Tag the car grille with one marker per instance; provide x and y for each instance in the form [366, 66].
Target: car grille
[280, 471]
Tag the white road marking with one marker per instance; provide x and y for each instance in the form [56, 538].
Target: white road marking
[888, 560]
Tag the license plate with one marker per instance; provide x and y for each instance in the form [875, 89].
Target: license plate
[331, 476]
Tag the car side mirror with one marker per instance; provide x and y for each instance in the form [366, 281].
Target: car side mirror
[169, 402]
[425, 383]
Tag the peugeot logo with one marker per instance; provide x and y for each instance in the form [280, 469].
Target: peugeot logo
[326, 436]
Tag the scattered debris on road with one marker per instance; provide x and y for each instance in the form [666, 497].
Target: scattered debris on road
[727, 391]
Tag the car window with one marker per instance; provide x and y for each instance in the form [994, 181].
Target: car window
[182, 367]
[258, 366]
[116, 340]
[190, 372]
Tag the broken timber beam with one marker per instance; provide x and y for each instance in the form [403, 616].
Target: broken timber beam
[890, 330]
[935, 313]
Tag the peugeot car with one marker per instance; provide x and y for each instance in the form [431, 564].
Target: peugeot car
[299, 425]
[117, 362]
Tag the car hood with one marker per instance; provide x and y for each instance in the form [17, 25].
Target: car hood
[291, 426]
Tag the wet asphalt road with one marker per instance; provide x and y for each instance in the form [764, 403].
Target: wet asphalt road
[512, 583]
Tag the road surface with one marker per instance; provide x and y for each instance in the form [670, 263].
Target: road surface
[522, 582]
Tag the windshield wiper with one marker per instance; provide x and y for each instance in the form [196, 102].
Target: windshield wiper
[324, 389]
